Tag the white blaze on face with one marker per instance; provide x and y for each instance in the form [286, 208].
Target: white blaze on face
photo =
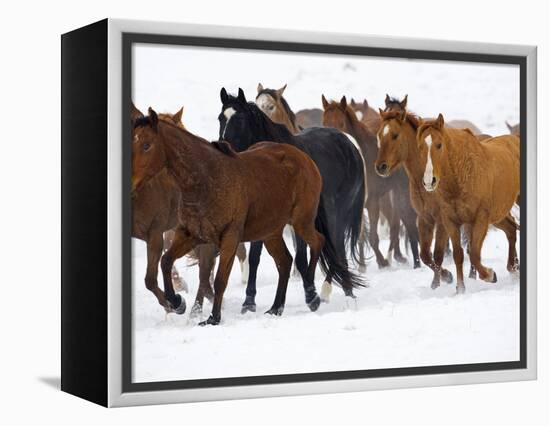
[429, 172]
[228, 114]
[359, 115]
[385, 131]
[264, 102]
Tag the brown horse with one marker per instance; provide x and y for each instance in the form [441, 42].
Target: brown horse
[227, 198]
[464, 173]
[342, 117]
[309, 117]
[398, 147]
[154, 211]
[366, 114]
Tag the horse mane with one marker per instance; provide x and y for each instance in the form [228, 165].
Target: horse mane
[289, 112]
[142, 122]
[412, 118]
[263, 125]
[224, 148]
[393, 102]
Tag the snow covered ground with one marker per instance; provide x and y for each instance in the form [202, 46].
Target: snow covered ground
[398, 321]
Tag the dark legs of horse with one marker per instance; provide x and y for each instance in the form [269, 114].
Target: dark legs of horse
[179, 282]
[510, 229]
[308, 235]
[154, 251]
[228, 248]
[206, 254]
[312, 299]
[373, 208]
[283, 260]
[466, 238]
[181, 245]
[362, 245]
[402, 205]
[253, 262]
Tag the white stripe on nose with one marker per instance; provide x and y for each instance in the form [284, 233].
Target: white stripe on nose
[384, 133]
[429, 171]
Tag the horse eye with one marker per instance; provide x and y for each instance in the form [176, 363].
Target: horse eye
[438, 146]
[394, 136]
[271, 107]
[146, 147]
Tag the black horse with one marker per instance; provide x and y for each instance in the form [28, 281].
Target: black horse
[340, 213]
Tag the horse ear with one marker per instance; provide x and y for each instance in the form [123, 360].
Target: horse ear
[325, 102]
[365, 104]
[381, 112]
[177, 116]
[343, 102]
[260, 88]
[136, 113]
[440, 122]
[507, 125]
[281, 90]
[403, 103]
[387, 100]
[352, 103]
[154, 119]
[224, 96]
[241, 97]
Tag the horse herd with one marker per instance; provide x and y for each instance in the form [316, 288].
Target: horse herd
[316, 170]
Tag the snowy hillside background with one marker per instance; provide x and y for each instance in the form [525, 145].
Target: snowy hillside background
[398, 321]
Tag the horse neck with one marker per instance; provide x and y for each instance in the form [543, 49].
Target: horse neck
[412, 158]
[275, 132]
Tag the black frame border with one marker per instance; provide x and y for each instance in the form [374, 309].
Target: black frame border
[128, 39]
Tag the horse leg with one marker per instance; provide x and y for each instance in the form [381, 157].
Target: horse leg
[394, 221]
[179, 282]
[241, 255]
[315, 240]
[362, 244]
[154, 251]
[479, 231]
[253, 262]
[312, 299]
[409, 220]
[373, 209]
[441, 240]
[426, 232]
[510, 230]
[228, 248]
[458, 253]
[283, 260]
[466, 238]
[295, 271]
[181, 245]
[206, 254]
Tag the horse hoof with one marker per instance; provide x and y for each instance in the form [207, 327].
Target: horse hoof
[447, 276]
[494, 280]
[362, 269]
[276, 311]
[460, 289]
[473, 273]
[435, 284]
[181, 307]
[247, 307]
[210, 321]
[416, 264]
[400, 259]
[349, 293]
[314, 304]
[196, 310]
[383, 264]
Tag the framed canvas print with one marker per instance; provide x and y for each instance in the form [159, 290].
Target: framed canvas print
[252, 213]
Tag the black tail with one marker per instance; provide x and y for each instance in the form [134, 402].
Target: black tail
[331, 263]
[355, 221]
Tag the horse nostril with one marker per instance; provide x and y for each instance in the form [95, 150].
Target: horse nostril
[382, 167]
[434, 180]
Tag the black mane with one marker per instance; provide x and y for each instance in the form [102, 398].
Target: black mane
[224, 148]
[393, 101]
[142, 122]
[264, 127]
[273, 94]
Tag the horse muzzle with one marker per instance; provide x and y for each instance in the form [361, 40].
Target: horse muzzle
[383, 170]
[431, 185]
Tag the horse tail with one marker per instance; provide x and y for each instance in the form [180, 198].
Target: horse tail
[330, 261]
[354, 226]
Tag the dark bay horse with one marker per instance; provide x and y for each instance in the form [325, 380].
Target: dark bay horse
[340, 214]
[227, 198]
[339, 115]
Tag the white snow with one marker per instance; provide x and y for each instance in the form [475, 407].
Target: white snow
[398, 321]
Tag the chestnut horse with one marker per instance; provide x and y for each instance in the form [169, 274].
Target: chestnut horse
[398, 147]
[339, 115]
[154, 211]
[227, 198]
[464, 173]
